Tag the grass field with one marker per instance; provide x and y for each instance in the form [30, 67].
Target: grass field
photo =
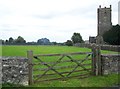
[104, 81]
[22, 50]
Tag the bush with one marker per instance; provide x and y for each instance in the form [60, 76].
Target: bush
[69, 43]
[112, 36]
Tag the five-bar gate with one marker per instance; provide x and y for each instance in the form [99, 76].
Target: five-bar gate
[47, 67]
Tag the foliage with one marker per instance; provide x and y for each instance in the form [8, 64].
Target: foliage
[68, 43]
[112, 36]
[6, 41]
[54, 43]
[11, 40]
[77, 38]
[44, 41]
[20, 40]
[2, 41]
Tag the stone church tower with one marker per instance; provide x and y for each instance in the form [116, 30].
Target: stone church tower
[104, 23]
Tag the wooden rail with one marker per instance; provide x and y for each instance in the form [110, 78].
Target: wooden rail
[35, 76]
[60, 62]
[76, 53]
[52, 66]
[80, 76]
[60, 67]
[94, 67]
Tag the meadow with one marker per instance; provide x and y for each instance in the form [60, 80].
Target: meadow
[92, 81]
[22, 50]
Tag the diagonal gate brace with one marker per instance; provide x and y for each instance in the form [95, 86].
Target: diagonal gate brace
[49, 67]
[78, 64]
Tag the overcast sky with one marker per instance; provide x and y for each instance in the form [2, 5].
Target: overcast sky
[119, 13]
[56, 20]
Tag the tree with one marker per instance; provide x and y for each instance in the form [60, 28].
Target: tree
[44, 41]
[11, 40]
[6, 41]
[20, 40]
[54, 43]
[68, 43]
[77, 38]
[1, 42]
[112, 36]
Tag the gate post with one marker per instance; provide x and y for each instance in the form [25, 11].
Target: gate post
[30, 69]
[94, 58]
[99, 60]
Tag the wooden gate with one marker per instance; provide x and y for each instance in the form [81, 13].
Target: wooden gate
[47, 67]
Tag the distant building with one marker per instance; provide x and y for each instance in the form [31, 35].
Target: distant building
[44, 41]
[92, 39]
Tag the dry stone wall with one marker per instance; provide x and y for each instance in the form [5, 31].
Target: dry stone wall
[83, 45]
[14, 70]
[103, 47]
[111, 47]
[110, 63]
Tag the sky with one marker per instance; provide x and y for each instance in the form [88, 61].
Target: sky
[119, 13]
[56, 20]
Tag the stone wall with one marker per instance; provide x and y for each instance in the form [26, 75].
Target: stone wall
[14, 70]
[109, 63]
[111, 47]
[83, 45]
[103, 47]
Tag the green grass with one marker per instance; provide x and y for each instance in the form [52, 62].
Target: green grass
[93, 81]
[22, 50]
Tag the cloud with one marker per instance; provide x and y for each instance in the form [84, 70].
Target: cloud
[54, 19]
[119, 13]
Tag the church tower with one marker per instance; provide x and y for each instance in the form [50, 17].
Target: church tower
[104, 23]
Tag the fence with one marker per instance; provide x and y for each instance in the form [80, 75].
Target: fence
[94, 64]
[82, 45]
[47, 67]
[103, 47]
[105, 63]
[111, 47]
[60, 66]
